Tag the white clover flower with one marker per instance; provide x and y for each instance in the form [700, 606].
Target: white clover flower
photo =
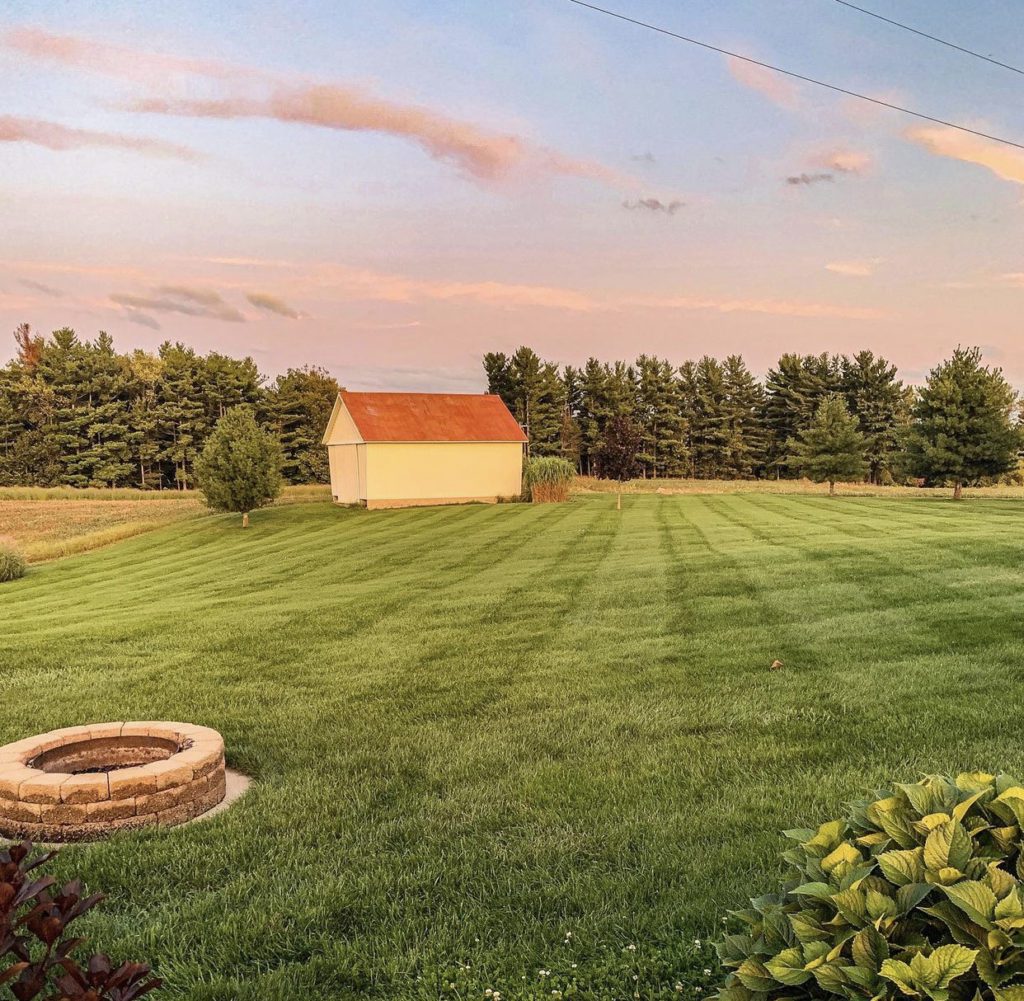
[631, 947]
[574, 966]
[707, 972]
[696, 942]
[635, 977]
[679, 988]
[488, 992]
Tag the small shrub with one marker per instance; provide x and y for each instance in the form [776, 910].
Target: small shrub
[548, 479]
[917, 892]
[239, 469]
[12, 563]
[35, 950]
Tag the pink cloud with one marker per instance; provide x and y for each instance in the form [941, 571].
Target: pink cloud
[483, 153]
[775, 87]
[845, 161]
[111, 60]
[1004, 161]
[348, 284]
[62, 137]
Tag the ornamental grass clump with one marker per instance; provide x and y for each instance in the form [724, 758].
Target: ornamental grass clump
[548, 479]
[915, 893]
[12, 563]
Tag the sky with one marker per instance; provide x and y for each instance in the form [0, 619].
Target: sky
[389, 190]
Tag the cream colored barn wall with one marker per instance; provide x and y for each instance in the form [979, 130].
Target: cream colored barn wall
[343, 430]
[442, 471]
[346, 483]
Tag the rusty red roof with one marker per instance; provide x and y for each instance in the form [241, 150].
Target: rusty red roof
[432, 417]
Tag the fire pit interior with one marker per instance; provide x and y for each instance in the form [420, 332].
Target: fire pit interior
[86, 782]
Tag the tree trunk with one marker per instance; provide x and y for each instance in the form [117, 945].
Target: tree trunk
[245, 520]
[958, 491]
[831, 488]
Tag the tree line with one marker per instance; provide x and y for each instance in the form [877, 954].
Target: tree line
[75, 412]
[713, 419]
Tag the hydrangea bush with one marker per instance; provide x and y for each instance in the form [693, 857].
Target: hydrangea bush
[915, 893]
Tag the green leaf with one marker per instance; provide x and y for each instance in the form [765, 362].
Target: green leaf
[852, 905]
[820, 891]
[1001, 882]
[788, 967]
[960, 928]
[845, 852]
[1013, 800]
[869, 949]
[909, 896]
[951, 961]
[895, 819]
[1015, 992]
[830, 978]
[807, 928]
[948, 845]
[902, 867]
[901, 975]
[961, 809]
[975, 899]
[754, 976]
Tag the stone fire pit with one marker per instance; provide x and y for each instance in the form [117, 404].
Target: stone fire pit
[86, 782]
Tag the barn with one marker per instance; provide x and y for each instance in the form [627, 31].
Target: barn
[409, 449]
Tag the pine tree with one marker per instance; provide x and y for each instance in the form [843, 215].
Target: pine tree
[964, 423]
[659, 415]
[182, 423]
[831, 448]
[793, 392]
[144, 436]
[708, 411]
[297, 407]
[745, 441]
[591, 414]
[881, 404]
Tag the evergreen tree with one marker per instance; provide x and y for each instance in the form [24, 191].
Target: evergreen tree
[145, 371]
[745, 438]
[964, 423]
[881, 404]
[182, 423]
[497, 368]
[831, 448]
[659, 414]
[571, 437]
[793, 392]
[707, 409]
[298, 406]
[591, 414]
[239, 469]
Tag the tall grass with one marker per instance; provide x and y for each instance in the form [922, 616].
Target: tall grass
[290, 495]
[12, 563]
[548, 479]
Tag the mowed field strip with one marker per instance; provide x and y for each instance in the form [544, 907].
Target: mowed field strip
[474, 729]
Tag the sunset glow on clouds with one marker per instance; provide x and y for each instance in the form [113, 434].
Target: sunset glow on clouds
[393, 195]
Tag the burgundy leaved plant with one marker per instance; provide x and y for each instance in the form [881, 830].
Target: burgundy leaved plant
[35, 949]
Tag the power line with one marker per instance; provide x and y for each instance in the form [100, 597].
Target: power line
[934, 38]
[798, 76]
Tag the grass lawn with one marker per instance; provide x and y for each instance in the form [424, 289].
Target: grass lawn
[474, 730]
